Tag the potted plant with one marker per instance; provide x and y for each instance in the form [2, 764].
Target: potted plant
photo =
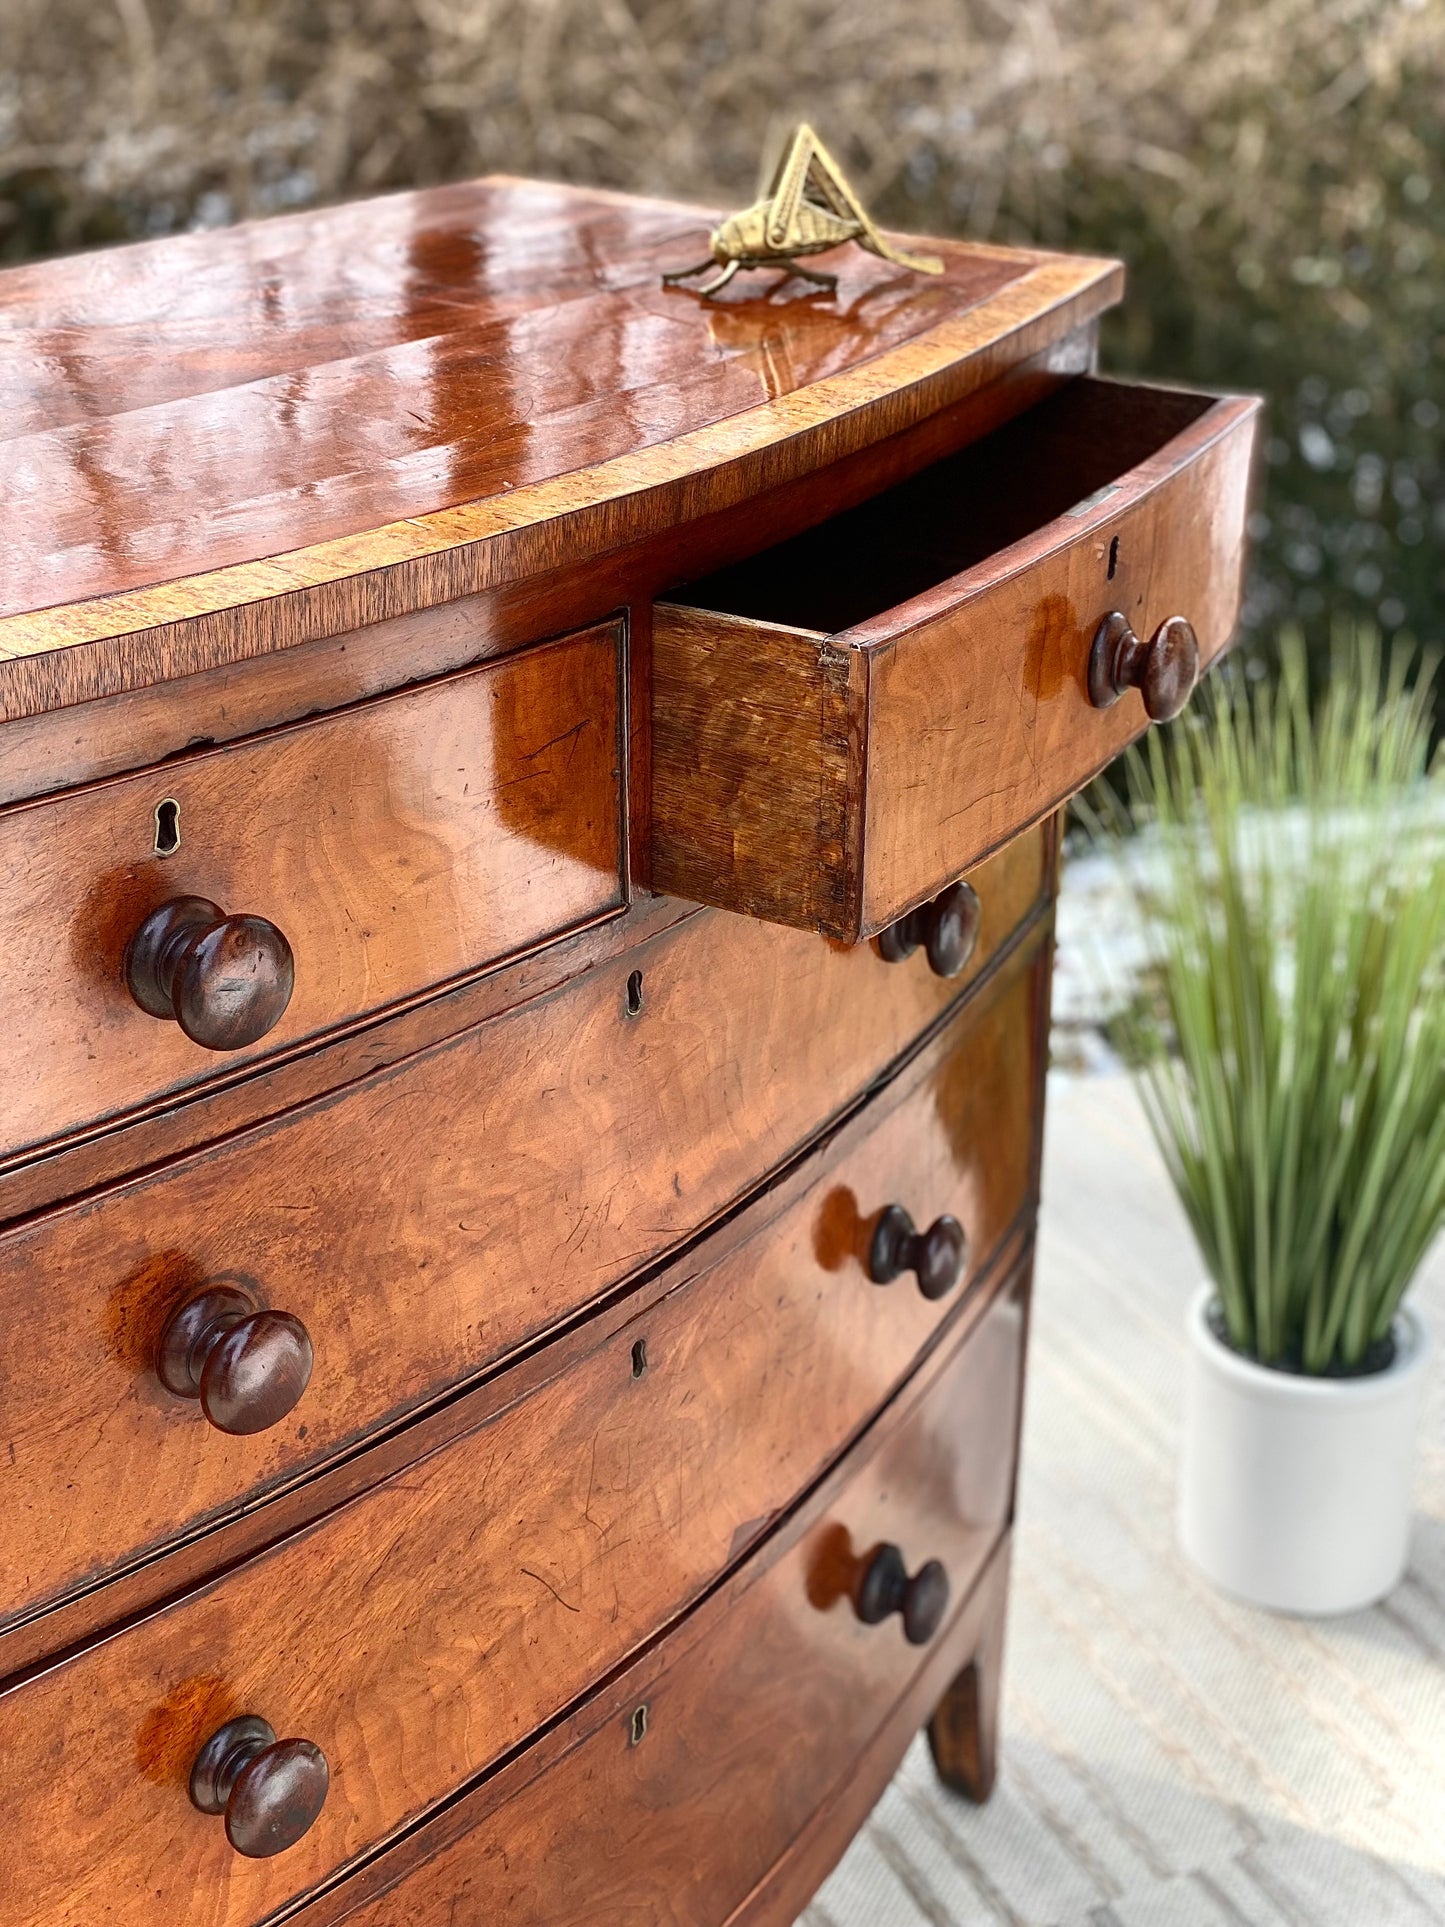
[1290, 877]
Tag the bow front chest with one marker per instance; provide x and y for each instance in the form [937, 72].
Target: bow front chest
[528, 819]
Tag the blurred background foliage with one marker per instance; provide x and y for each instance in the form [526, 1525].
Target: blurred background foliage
[1270, 169]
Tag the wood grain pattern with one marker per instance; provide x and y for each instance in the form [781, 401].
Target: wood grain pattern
[988, 678]
[58, 749]
[965, 603]
[243, 1095]
[396, 845]
[306, 667]
[750, 767]
[445, 435]
[427, 1221]
[568, 1289]
[779, 1899]
[275, 1514]
[781, 1895]
[421, 1632]
[773, 1716]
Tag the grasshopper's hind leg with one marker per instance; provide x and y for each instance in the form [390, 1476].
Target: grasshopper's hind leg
[828, 281]
[671, 276]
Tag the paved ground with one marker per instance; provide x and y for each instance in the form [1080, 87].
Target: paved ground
[1170, 1759]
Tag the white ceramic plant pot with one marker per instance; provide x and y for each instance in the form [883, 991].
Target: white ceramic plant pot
[1294, 1492]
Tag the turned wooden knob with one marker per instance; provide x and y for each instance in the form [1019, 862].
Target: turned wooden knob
[899, 941]
[1164, 670]
[271, 1791]
[246, 1366]
[936, 1256]
[884, 1587]
[951, 935]
[225, 980]
[948, 928]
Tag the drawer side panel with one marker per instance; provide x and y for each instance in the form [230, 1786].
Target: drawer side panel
[750, 767]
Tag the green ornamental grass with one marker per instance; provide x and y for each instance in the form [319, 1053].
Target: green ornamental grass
[1293, 1061]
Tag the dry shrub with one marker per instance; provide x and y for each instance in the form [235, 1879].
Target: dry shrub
[224, 108]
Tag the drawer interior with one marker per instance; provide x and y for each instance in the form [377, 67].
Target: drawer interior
[956, 513]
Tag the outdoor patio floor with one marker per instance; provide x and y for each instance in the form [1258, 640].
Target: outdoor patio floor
[1170, 1759]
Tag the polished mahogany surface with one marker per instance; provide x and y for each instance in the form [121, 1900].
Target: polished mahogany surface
[468, 304]
[721, 1777]
[419, 1633]
[392, 847]
[427, 1221]
[183, 406]
[837, 781]
[510, 1387]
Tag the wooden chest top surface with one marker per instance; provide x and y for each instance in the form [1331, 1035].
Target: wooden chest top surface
[201, 422]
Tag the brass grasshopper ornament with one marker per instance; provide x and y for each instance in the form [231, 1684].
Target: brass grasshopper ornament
[808, 209]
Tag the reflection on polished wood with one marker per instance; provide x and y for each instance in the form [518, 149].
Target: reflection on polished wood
[509, 1382]
[425, 1223]
[782, 1676]
[598, 1520]
[241, 415]
[397, 845]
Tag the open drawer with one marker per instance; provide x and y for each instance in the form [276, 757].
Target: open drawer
[844, 723]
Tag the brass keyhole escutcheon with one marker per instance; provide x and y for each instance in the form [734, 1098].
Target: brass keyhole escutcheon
[168, 826]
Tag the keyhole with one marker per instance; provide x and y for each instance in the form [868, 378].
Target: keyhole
[639, 1358]
[639, 1726]
[1113, 557]
[634, 994]
[168, 827]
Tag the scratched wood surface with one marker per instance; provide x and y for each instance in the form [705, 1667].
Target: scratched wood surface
[426, 1221]
[687, 1687]
[389, 400]
[964, 642]
[1169, 1759]
[750, 760]
[757, 1714]
[396, 846]
[422, 1631]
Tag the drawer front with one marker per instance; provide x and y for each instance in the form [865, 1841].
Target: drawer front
[851, 720]
[990, 676]
[428, 1220]
[395, 846]
[426, 1628]
[758, 1711]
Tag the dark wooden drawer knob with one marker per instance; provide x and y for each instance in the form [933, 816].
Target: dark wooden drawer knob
[225, 980]
[1164, 670]
[951, 937]
[884, 1587]
[936, 1256]
[271, 1791]
[247, 1367]
[948, 928]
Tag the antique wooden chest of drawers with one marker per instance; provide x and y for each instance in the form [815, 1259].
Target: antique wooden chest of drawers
[528, 832]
